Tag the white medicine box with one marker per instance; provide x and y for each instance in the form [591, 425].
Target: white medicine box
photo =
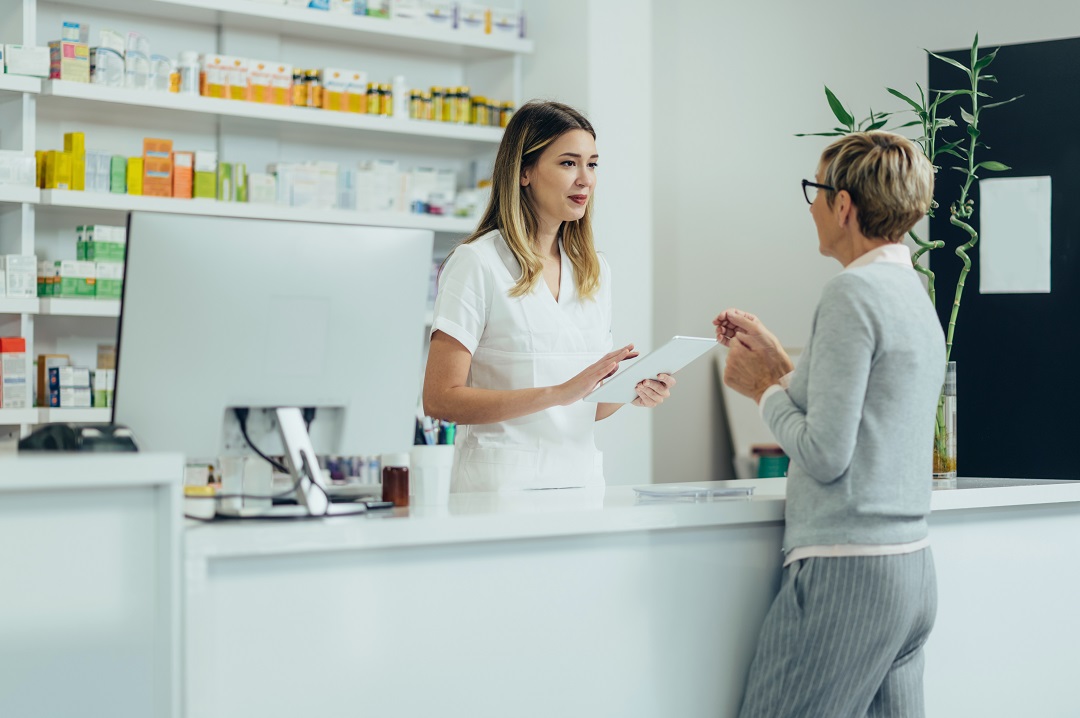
[20, 275]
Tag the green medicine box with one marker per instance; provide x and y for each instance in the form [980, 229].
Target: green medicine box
[110, 280]
[205, 185]
[226, 190]
[118, 174]
[77, 279]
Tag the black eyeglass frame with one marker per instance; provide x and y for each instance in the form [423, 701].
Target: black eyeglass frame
[808, 183]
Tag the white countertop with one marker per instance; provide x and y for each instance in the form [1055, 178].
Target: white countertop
[42, 471]
[561, 512]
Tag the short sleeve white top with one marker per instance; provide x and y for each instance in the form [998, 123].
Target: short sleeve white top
[522, 343]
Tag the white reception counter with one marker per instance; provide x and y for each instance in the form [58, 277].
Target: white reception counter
[554, 603]
[574, 603]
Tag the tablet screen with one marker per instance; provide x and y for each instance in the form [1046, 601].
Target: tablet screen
[668, 359]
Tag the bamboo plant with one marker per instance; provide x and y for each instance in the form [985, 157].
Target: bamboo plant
[927, 118]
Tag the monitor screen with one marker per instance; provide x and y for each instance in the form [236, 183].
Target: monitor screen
[220, 313]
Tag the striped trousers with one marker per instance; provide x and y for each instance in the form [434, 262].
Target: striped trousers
[844, 639]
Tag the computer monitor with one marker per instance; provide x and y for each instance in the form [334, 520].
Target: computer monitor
[272, 316]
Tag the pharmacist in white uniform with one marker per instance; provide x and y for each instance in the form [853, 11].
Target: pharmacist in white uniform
[522, 327]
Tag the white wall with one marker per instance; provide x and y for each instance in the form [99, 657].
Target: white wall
[733, 83]
[597, 56]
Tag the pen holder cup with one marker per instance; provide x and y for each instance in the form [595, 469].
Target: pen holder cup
[430, 467]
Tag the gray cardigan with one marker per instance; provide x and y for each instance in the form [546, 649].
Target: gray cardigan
[858, 417]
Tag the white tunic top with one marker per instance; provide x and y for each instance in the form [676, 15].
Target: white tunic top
[523, 343]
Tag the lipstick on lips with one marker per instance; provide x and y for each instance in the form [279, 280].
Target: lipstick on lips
[579, 198]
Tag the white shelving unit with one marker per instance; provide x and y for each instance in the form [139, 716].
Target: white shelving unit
[423, 38]
[137, 100]
[243, 210]
[75, 416]
[17, 417]
[19, 306]
[19, 195]
[35, 114]
[80, 307]
[18, 83]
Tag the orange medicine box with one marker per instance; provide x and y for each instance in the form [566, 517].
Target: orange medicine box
[356, 92]
[157, 167]
[281, 89]
[183, 174]
[238, 82]
[260, 81]
[213, 76]
[335, 86]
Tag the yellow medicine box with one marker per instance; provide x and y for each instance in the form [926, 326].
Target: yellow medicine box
[57, 170]
[75, 143]
[135, 175]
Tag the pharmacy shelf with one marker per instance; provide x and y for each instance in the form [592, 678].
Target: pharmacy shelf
[80, 307]
[18, 306]
[244, 210]
[277, 114]
[14, 417]
[10, 194]
[75, 416]
[324, 26]
[20, 83]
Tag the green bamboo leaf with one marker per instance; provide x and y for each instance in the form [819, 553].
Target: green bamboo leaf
[967, 116]
[909, 124]
[878, 125]
[896, 93]
[974, 49]
[842, 115]
[948, 60]
[962, 170]
[986, 60]
[946, 95]
[1004, 102]
[993, 166]
[949, 146]
[974, 132]
[922, 95]
[944, 122]
[988, 78]
[954, 153]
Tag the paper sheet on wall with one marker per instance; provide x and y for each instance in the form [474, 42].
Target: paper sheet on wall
[1014, 242]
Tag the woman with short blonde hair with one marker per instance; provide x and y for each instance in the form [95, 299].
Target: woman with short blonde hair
[844, 637]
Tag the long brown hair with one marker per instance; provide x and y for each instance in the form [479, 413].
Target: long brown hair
[532, 128]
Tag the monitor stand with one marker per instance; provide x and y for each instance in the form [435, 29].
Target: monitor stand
[311, 494]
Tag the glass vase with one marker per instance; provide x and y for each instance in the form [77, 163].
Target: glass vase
[945, 430]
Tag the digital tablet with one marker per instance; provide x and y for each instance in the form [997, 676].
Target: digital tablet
[668, 359]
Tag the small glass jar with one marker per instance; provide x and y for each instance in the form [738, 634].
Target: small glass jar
[386, 100]
[395, 479]
[313, 82]
[299, 88]
[506, 114]
[436, 114]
